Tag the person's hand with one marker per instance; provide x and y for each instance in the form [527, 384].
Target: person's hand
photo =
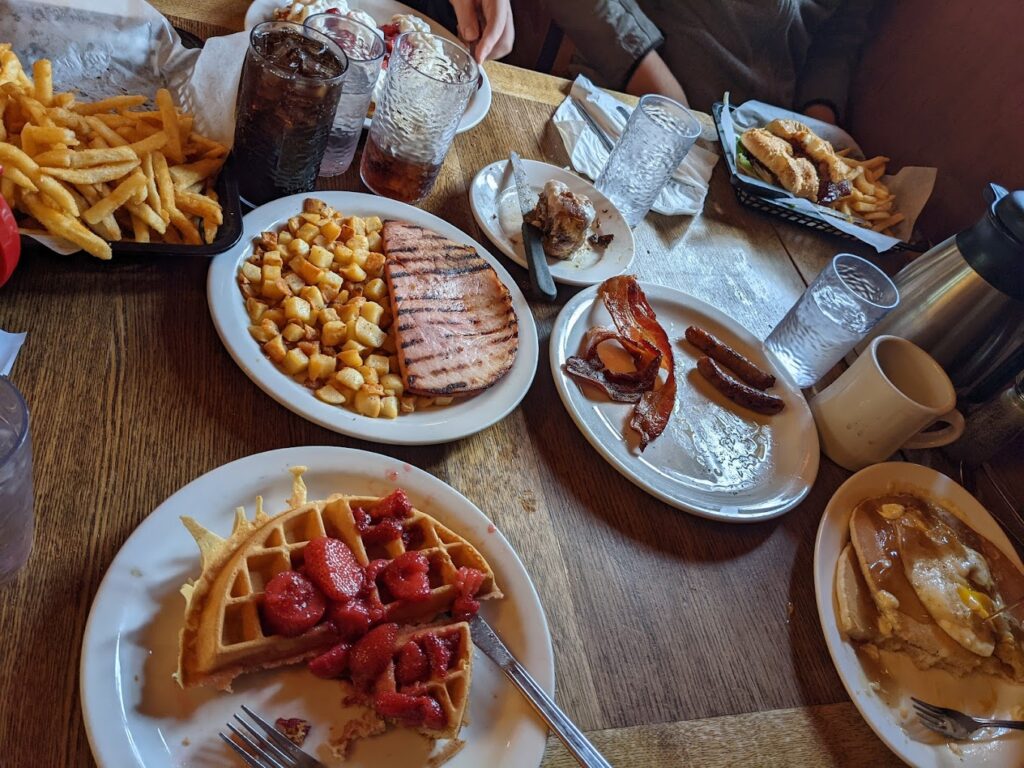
[495, 38]
[822, 112]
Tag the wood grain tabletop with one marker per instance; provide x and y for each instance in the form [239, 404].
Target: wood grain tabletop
[678, 641]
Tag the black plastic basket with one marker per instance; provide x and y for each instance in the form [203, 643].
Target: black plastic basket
[230, 230]
[754, 197]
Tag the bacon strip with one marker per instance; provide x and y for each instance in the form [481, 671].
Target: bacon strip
[623, 386]
[638, 325]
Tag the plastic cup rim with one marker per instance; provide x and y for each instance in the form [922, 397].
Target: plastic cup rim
[288, 74]
[689, 124]
[6, 383]
[397, 51]
[350, 57]
[853, 291]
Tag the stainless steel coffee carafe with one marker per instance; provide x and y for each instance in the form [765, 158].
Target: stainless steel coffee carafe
[963, 300]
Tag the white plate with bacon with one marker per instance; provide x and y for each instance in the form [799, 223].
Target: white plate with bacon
[456, 337]
[382, 13]
[712, 457]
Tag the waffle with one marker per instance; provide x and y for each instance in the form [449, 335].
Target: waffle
[223, 635]
[451, 691]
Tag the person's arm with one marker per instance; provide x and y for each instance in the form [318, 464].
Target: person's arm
[614, 36]
[652, 75]
[824, 80]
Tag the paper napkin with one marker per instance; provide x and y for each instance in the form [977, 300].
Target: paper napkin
[684, 193]
[10, 344]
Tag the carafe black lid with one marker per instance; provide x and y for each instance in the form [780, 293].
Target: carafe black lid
[1009, 209]
[994, 247]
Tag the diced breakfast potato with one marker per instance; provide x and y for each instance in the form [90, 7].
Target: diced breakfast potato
[369, 333]
[295, 362]
[349, 378]
[372, 312]
[389, 407]
[318, 305]
[330, 395]
[321, 366]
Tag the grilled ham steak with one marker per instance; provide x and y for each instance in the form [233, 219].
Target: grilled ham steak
[455, 329]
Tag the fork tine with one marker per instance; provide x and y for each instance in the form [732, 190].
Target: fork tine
[270, 750]
[926, 707]
[266, 757]
[934, 725]
[282, 742]
[242, 753]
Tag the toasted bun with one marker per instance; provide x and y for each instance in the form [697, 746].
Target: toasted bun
[812, 145]
[786, 129]
[796, 174]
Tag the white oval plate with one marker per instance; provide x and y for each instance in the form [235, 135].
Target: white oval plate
[135, 714]
[714, 459]
[382, 11]
[897, 727]
[492, 197]
[427, 427]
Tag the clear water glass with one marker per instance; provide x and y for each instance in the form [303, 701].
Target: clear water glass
[365, 48]
[657, 137]
[429, 83]
[836, 311]
[16, 521]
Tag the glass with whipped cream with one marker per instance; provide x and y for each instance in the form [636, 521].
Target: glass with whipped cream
[364, 46]
[429, 83]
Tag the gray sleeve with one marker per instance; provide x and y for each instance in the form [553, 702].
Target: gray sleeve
[833, 54]
[611, 35]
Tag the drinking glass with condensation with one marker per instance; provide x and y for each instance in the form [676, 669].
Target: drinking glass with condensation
[16, 521]
[657, 136]
[287, 95]
[364, 48]
[429, 83]
[837, 310]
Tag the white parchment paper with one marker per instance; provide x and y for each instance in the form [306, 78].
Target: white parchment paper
[102, 48]
[912, 185]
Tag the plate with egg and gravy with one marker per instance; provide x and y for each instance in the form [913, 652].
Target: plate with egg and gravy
[585, 238]
[911, 573]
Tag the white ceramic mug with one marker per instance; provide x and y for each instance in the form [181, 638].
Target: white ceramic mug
[882, 403]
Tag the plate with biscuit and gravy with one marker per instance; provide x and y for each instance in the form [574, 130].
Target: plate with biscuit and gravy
[915, 585]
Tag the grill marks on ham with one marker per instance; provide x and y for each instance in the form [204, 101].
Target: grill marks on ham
[456, 332]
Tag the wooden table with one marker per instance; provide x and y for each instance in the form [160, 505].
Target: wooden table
[678, 641]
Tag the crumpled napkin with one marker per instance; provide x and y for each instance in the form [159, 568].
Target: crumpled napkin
[685, 192]
[10, 344]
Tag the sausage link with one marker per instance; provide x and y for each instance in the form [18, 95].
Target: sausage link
[737, 391]
[729, 357]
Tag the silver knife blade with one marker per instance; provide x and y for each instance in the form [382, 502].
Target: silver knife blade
[597, 129]
[488, 642]
[527, 197]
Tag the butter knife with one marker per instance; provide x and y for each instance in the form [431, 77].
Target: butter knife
[542, 286]
[577, 744]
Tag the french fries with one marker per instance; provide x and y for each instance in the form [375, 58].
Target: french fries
[96, 172]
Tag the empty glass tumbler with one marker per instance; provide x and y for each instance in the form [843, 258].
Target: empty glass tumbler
[16, 519]
[836, 311]
[429, 83]
[657, 137]
[364, 47]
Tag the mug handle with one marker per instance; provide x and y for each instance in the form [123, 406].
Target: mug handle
[939, 437]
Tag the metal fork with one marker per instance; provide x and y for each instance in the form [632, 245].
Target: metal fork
[271, 749]
[954, 724]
